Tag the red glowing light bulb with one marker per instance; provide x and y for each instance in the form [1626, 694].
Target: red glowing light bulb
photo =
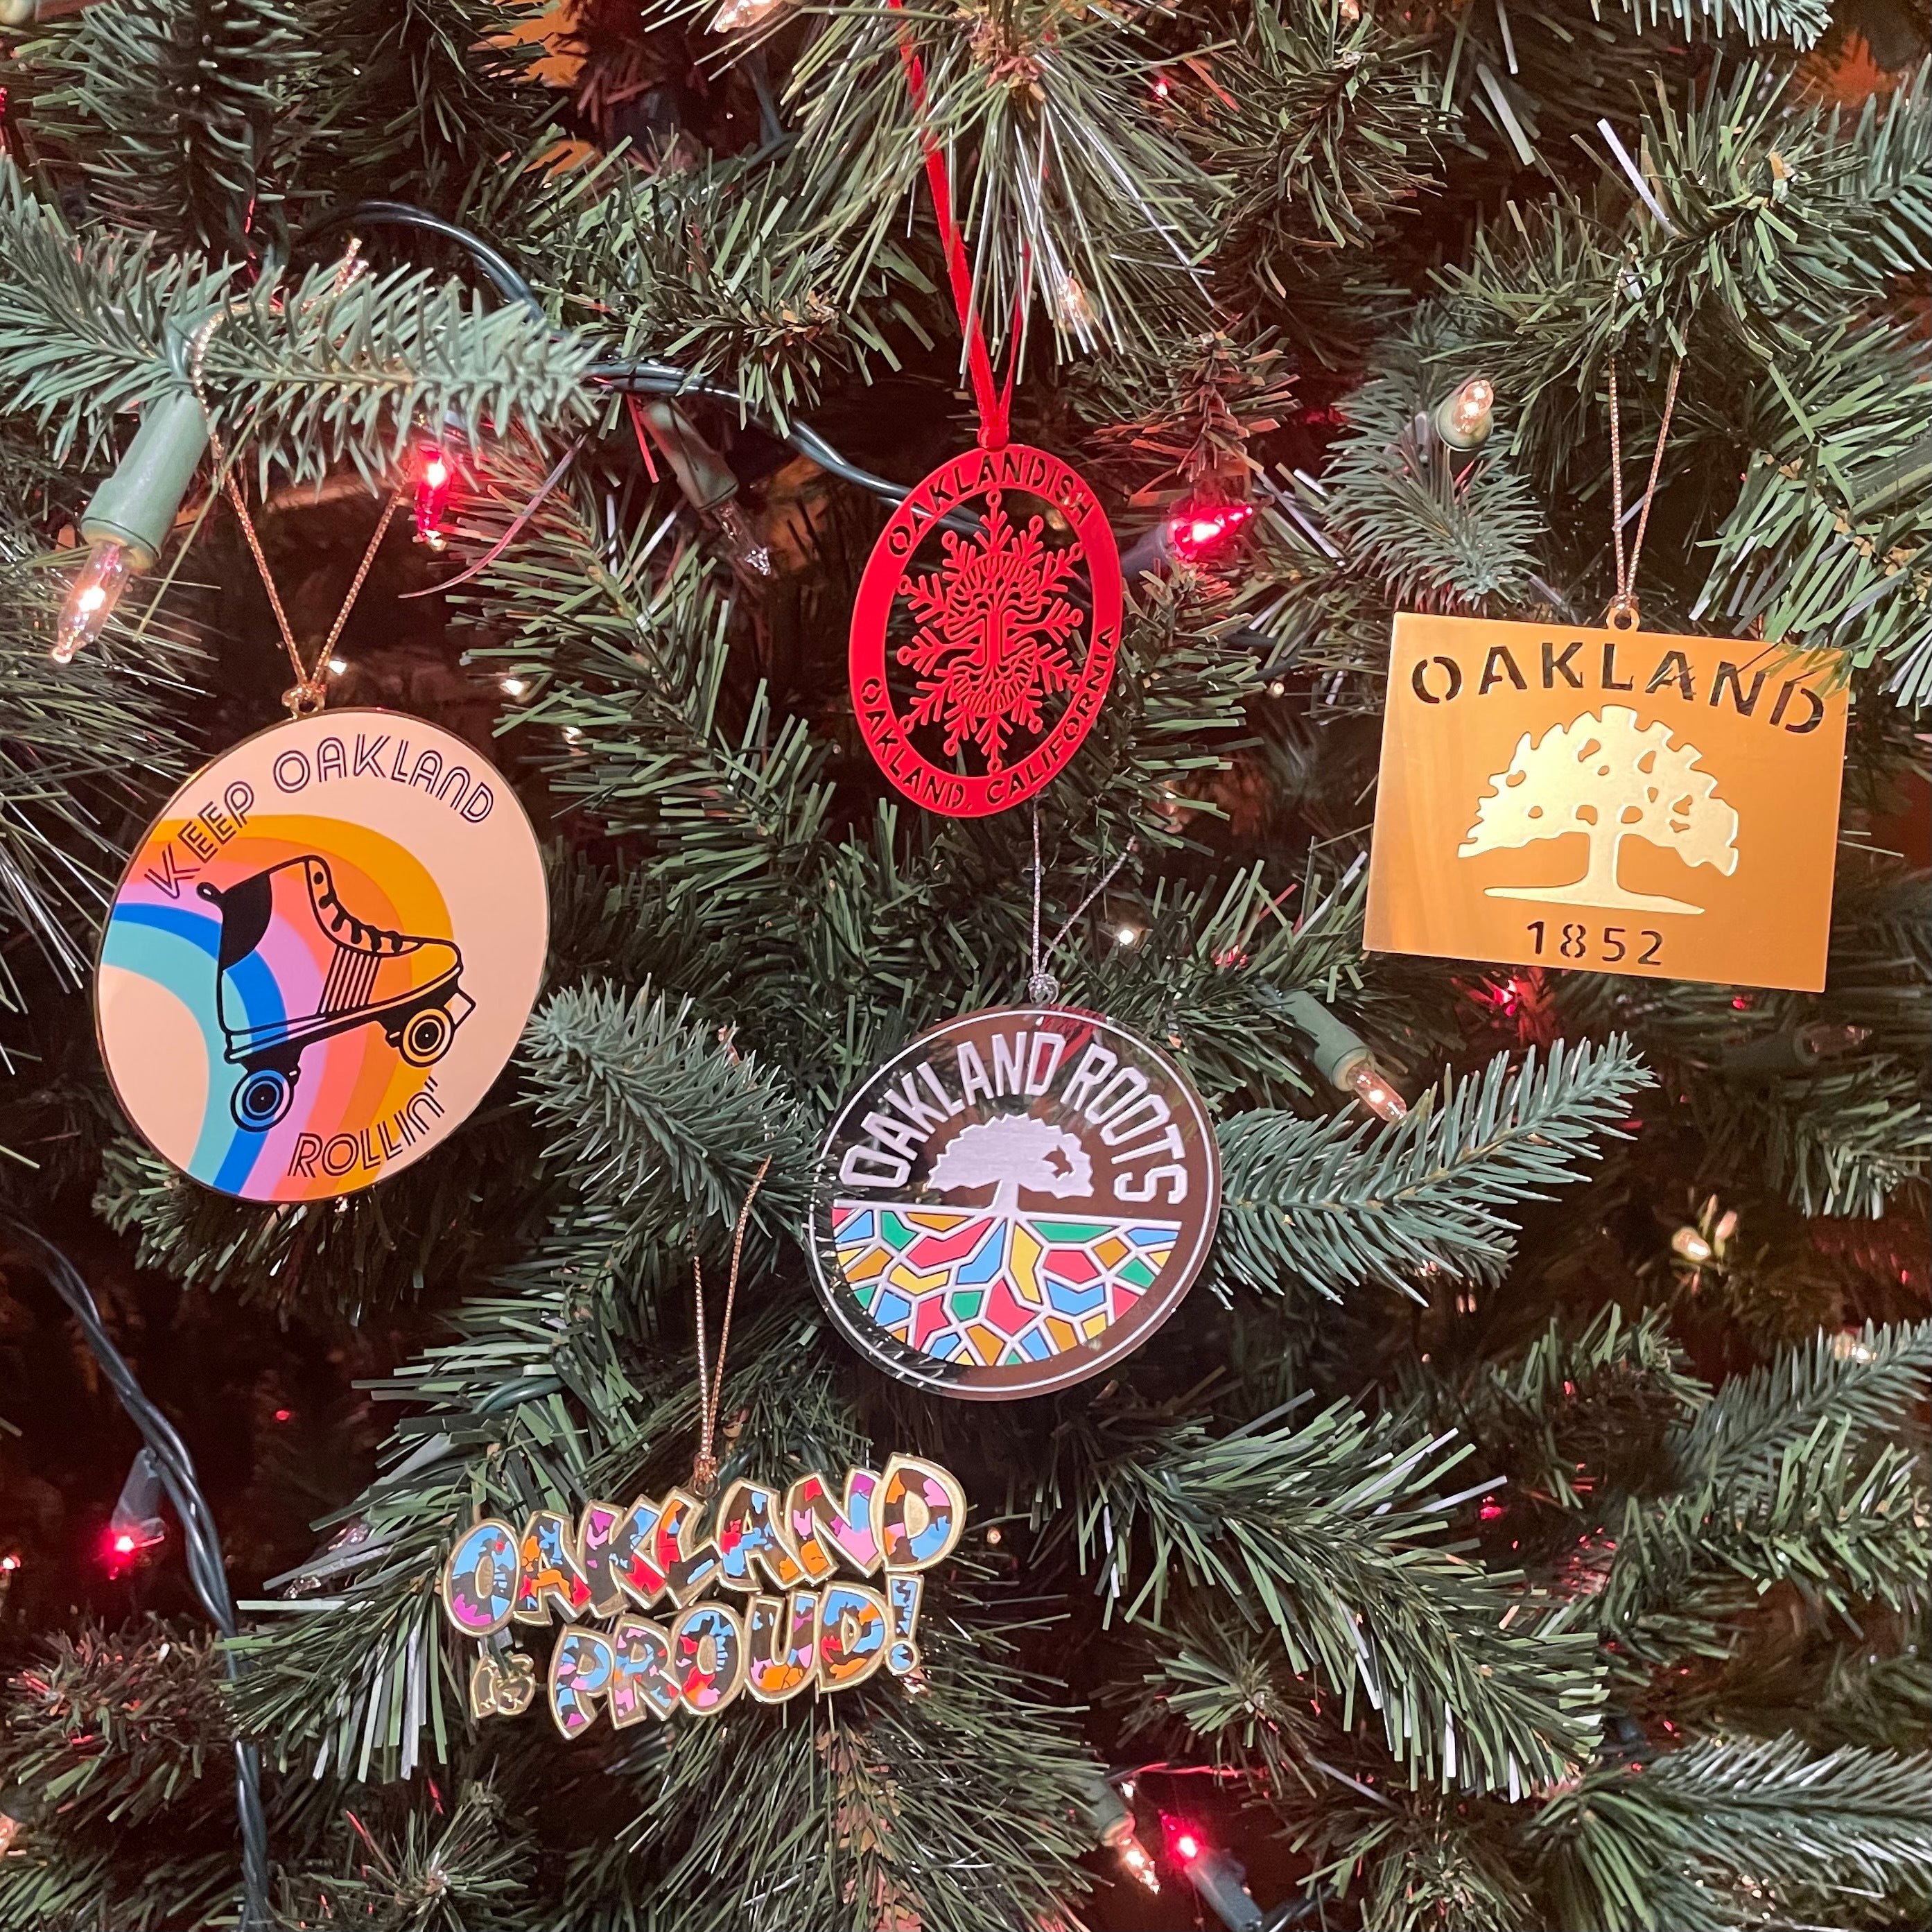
[121, 1548]
[1191, 532]
[432, 496]
[1490, 1510]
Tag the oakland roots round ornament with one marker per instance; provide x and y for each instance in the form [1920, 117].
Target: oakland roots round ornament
[1012, 1202]
[321, 955]
[985, 630]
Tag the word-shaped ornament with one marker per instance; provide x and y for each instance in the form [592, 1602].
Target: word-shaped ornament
[1612, 800]
[798, 1624]
[321, 955]
[1012, 1202]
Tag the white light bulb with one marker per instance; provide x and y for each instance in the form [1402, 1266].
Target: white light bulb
[90, 599]
[1824, 1040]
[1071, 304]
[742, 541]
[1375, 1090]
[514, 687]
[1464, 420]
[1132, 1855]
[735, 15]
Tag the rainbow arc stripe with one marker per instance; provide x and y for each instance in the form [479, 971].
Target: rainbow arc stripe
[990, 1287]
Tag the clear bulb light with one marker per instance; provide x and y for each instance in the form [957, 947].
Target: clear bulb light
[741, 540]
[1118, 1837]
[1824, 1039]
[92, 599]
[1464, 420]
[1071, 303]
[1375, 1090]
[735, 15]
[1134, 1861]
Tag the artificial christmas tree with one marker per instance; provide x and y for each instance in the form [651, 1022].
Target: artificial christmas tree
[1516, 1516]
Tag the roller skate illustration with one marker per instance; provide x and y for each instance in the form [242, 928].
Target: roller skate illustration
[295, 966]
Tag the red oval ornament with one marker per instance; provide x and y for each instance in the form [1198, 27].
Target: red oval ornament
[981, 650]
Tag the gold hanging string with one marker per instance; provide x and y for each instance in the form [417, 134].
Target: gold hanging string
[1623, 614]
[710, 1387]
[309, 692]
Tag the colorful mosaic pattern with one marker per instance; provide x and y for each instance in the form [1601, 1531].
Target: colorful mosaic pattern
[990, 1288]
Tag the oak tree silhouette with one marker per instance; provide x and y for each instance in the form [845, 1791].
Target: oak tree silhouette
[1013, 1152]
[1611, 778]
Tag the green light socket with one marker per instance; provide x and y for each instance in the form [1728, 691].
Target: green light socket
[136, 507]
[1764, 1059]
[1100, 1807]
[706, 478]
[1335, 1047]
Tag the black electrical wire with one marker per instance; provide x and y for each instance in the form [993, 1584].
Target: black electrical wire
[488, 256]
[206, 1571]
[640, 376]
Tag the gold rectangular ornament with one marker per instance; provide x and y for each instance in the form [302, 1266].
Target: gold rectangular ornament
[1613, 801]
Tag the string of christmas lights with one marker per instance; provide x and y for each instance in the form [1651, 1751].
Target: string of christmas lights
[170, 1469]
[128, 520]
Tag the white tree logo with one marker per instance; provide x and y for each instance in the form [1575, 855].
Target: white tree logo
[1606, 775]
[1013, 1152]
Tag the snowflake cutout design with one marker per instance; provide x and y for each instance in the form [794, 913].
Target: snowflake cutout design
[993, 633]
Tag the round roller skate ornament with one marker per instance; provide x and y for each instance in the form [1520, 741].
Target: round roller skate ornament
[321, 955]
[986, 630]
[1012, 1202]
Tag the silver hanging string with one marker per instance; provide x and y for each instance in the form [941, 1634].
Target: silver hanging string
[1043, 988]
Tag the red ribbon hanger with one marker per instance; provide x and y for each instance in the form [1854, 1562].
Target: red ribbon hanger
[995, 404]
